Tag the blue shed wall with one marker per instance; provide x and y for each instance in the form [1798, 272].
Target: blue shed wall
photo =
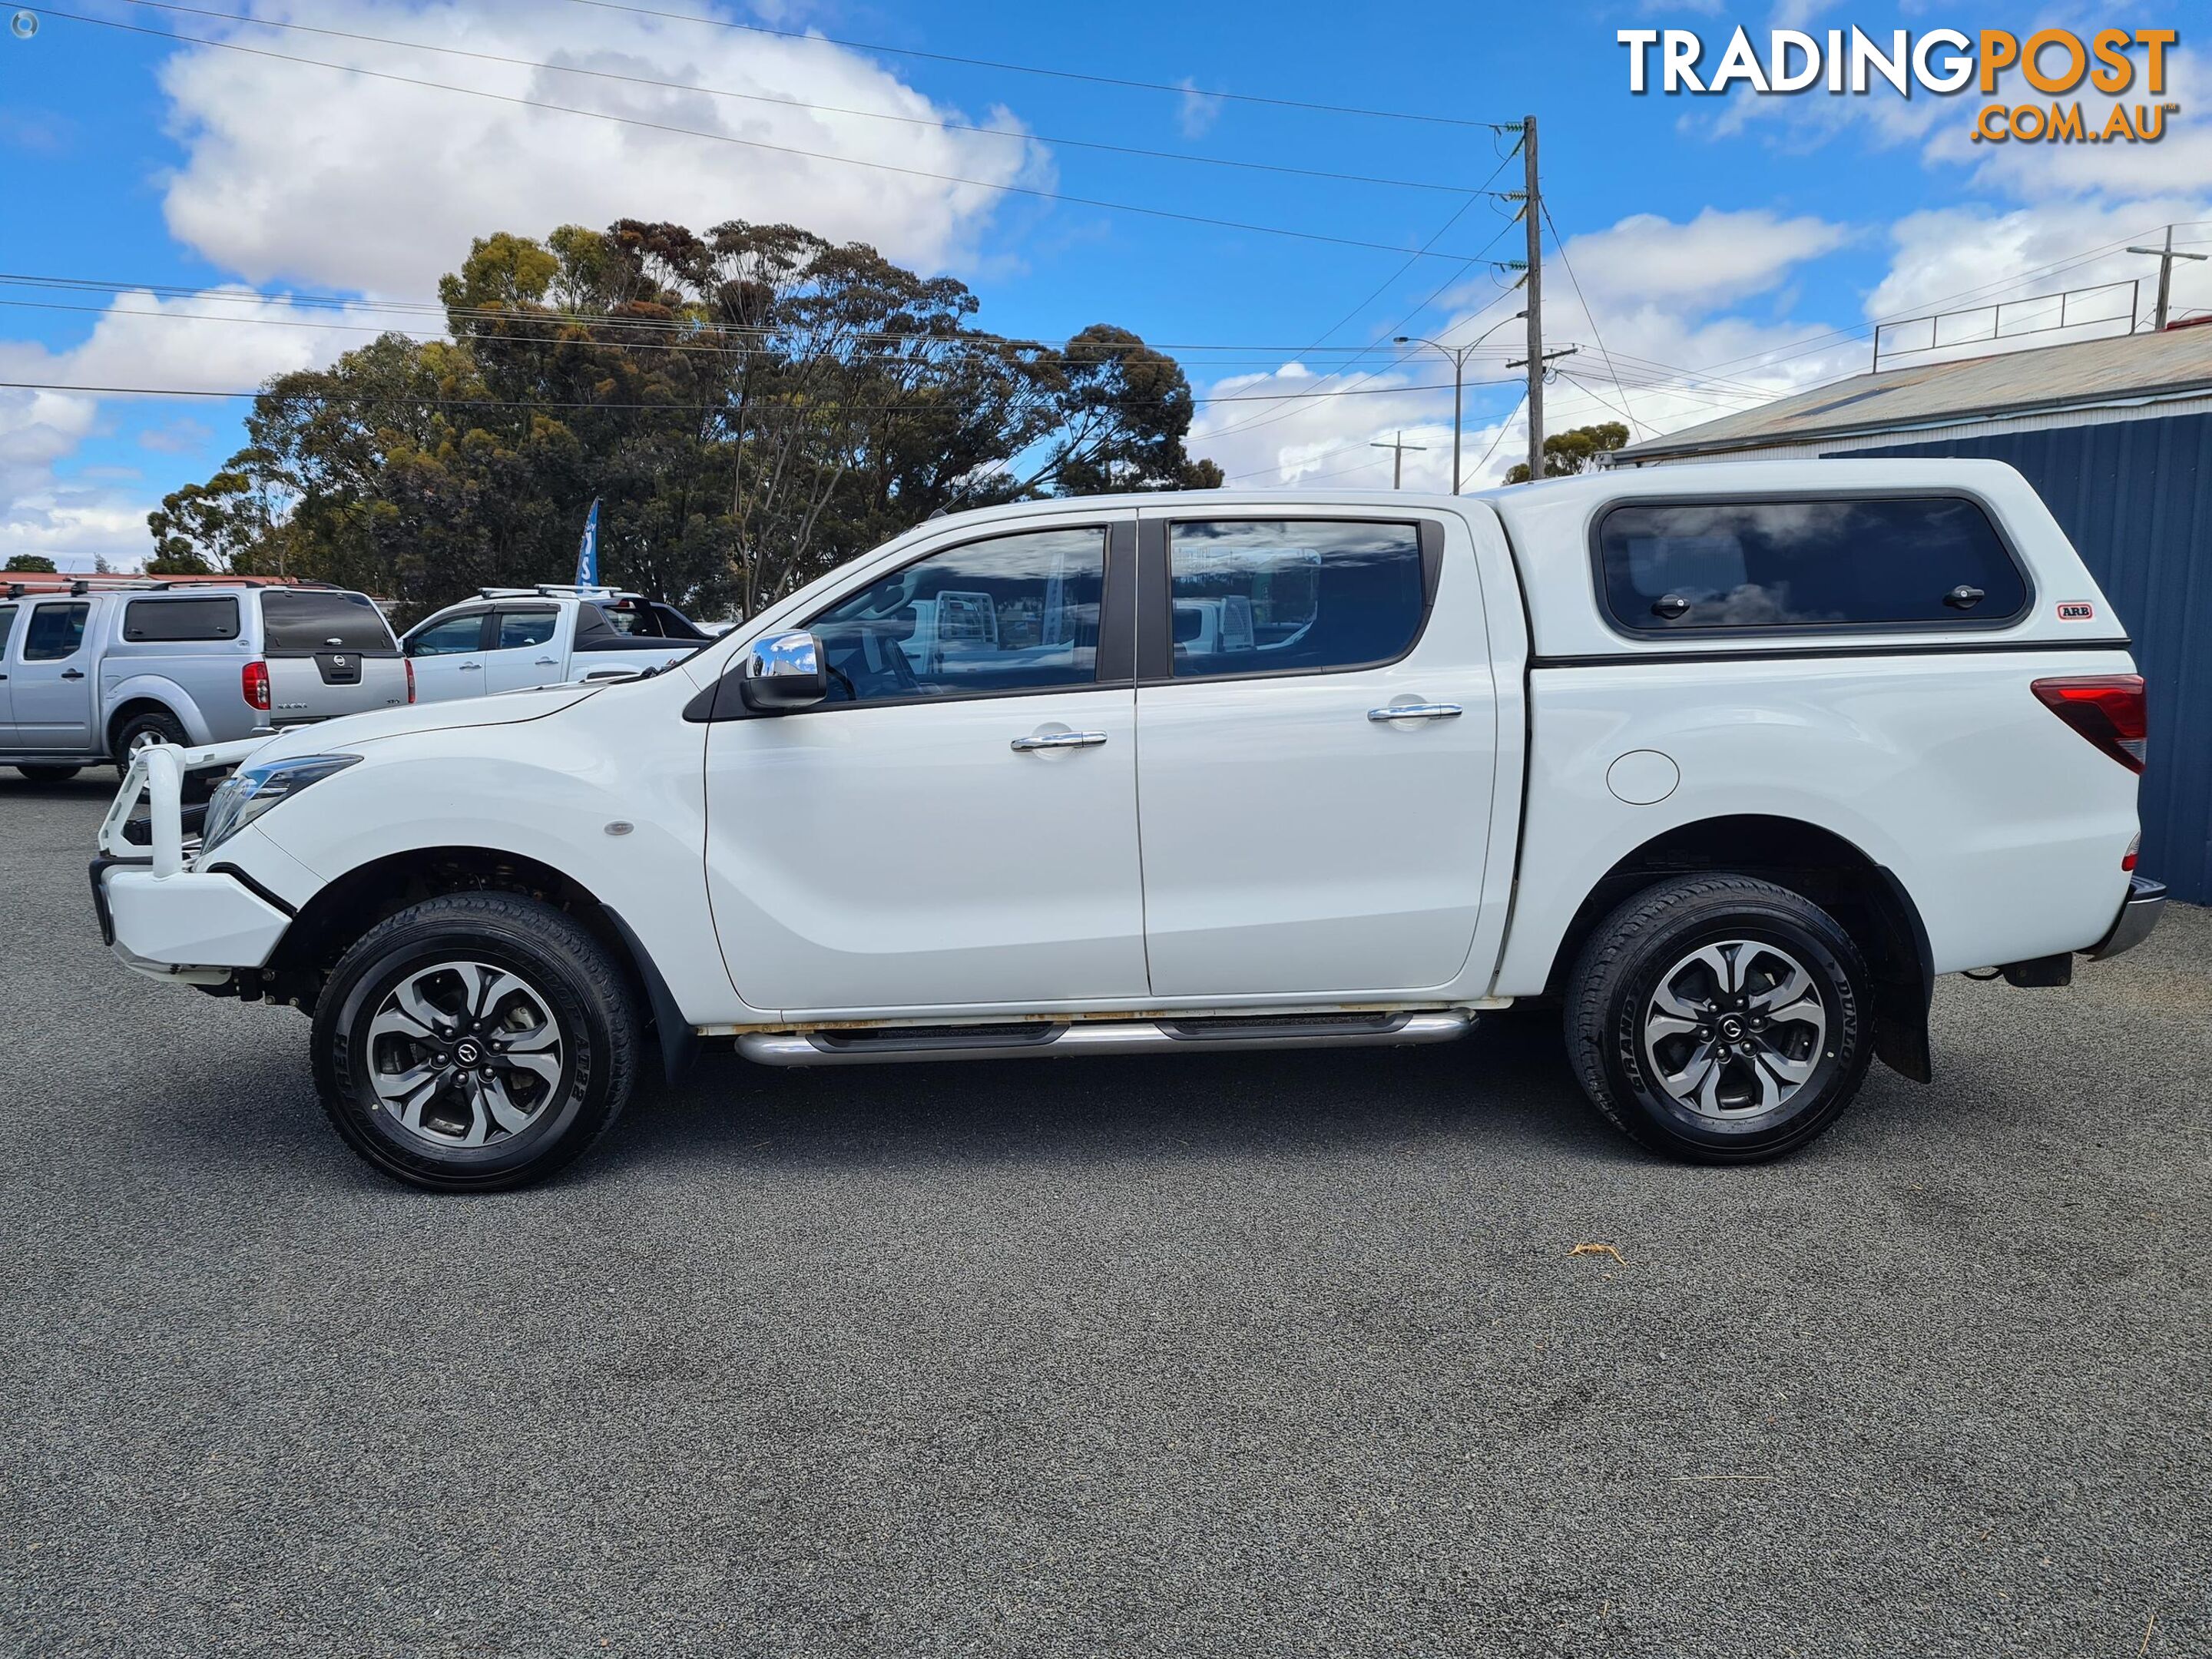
[2135, 496]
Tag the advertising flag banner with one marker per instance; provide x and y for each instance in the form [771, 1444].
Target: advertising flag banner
[587, 555]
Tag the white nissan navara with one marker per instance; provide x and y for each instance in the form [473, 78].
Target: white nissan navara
[1731, 761]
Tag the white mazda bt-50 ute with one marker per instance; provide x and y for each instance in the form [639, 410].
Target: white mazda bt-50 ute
[1729, 762]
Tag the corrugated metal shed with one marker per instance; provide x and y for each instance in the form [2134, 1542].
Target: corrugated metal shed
[2136, 500]
[2143, 375]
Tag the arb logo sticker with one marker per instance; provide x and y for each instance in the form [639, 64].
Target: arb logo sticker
[2077, 611]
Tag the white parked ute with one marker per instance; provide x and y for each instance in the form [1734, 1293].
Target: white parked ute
[1732, 760]
[515, 639]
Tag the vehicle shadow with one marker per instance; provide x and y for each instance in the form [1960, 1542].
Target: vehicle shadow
[1507, 1082]
[93, 783]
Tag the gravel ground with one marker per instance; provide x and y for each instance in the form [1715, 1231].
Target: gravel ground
[1230, 1355]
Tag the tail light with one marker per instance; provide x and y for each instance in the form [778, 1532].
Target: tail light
[2106, 708]
[2135, 851]
[254, 683]
[410, 661]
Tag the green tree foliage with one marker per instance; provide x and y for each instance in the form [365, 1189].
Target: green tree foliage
[28, 563]
[1568, 452]
[752, 406]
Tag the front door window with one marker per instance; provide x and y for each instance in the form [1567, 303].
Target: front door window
[1008, 614]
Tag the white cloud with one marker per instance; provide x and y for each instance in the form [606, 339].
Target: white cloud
[1712, 261]
[38, 513]
[1309, 438]
[1660, 292]
[1668, 295]
[2180, 161]
[1195, 112]
[225, 339]
[312, 173]
[222, 339]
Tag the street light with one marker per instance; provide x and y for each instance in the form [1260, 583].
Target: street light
[1459, 355]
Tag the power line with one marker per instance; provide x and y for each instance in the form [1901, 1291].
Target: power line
[1503, 427]
[1839, 335]
[535, 403]
[1353, 389]
[1035, 191]
[701, 348]
[431, 307]
[1387, 281]
[708, 349]
[1057, 74]
[1560, 243]
[802, 104]
[1594, 397]
[1269, 420]
[1668, 387]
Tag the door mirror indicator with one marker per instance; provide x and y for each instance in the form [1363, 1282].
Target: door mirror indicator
[782, 672]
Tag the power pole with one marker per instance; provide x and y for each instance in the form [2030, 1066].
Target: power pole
[1531, 211]
[1398, 459]
[2165, 256]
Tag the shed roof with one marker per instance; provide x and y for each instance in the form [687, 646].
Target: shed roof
[2136, 368]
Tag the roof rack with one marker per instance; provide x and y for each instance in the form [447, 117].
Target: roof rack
[163, 585]
[20, 583]
[552, 590]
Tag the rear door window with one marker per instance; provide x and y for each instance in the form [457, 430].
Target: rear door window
[7, 626]
[1289, 596]
[299, 621]
[55, 632]
[1782, 566]
[518, 629]
[148, 621]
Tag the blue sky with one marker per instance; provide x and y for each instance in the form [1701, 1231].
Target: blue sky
[1728, 248]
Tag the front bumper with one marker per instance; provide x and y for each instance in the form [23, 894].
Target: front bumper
[159, 916]
[2139, 913]
[194, 918]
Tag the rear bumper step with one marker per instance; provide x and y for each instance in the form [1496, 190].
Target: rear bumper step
[1009, 1041]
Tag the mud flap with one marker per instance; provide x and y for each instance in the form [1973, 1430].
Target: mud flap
[1903, 987]
[679, 1043]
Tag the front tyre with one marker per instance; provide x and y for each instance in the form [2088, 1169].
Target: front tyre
[474, 1043]
[1720, 1019]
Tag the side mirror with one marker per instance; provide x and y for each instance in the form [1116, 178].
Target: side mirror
[783, 671]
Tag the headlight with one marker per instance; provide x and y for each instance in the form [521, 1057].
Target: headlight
[252, 790]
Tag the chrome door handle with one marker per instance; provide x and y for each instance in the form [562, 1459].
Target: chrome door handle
[1059, 740]
[547, 662]
[1417, 711]
[466, 667]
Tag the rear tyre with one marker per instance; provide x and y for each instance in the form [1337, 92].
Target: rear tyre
[143, 730]
[475, 1043]
[50, 774]
[158, 725]
[1720, 1019]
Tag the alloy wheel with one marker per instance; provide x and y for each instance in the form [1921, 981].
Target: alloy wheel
[463, 1055]
[1734, 1029]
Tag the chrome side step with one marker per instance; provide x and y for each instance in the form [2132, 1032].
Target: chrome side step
[860, 1046]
